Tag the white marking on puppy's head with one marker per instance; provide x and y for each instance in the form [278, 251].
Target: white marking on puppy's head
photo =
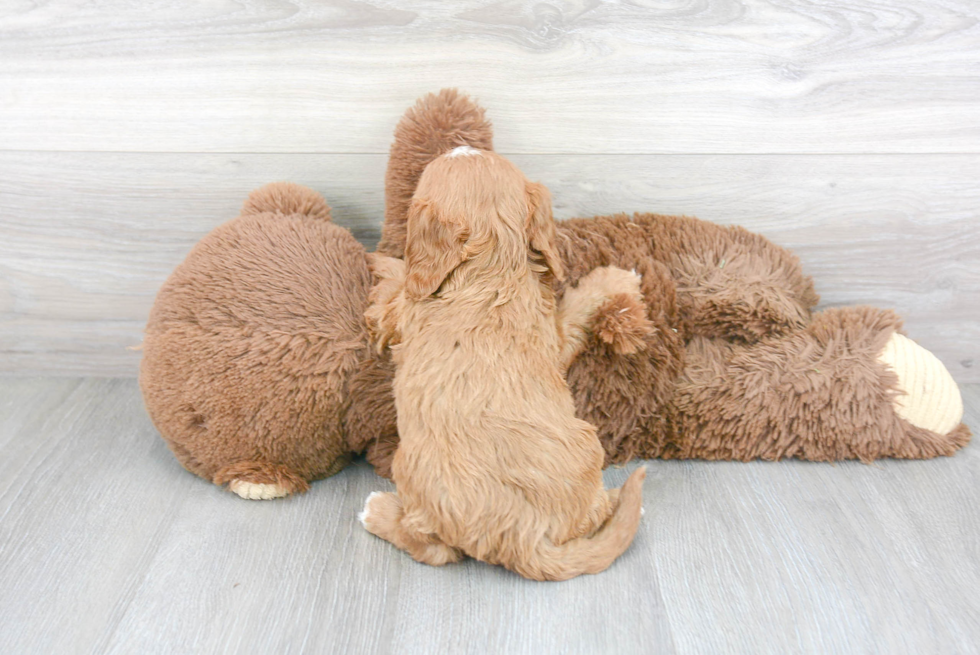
[463, 151]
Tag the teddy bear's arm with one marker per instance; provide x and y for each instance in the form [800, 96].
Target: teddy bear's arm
[736, 285]
[729, 283]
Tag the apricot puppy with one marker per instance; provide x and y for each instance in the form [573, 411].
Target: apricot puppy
[492, 462]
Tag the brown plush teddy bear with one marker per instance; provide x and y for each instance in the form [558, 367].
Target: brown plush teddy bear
[258, 373]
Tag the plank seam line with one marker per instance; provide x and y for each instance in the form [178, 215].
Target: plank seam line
[505, 153]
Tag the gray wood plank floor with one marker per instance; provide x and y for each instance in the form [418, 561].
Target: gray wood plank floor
[108, 546]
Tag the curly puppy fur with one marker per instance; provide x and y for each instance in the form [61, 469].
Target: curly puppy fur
[492, 461]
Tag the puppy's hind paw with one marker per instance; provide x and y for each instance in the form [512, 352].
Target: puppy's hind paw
[365, 514]
[622, 323]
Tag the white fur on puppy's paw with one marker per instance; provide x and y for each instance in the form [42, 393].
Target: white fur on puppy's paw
[256, 490]
[930, 398]
[366, 512]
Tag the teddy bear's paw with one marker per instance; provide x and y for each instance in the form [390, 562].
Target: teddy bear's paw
[928, 397]
[260, 480]
[622, 323]
[256, 490]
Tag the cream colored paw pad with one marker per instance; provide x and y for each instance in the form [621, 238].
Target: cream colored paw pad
[257, 491]
[931, 399]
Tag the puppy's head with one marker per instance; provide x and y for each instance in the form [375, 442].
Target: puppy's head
[471, 203]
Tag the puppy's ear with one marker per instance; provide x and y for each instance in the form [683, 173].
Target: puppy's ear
[435, 246]
[541, 232]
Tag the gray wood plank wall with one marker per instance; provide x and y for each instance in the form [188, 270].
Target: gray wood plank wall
[848, 130]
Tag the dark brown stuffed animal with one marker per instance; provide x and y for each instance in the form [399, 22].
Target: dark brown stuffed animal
[266, 398]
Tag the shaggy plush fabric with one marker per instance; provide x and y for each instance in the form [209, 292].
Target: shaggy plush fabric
[252, 341]
[742, 374]
[700, 279]
[256, 368]
[715, 289]
[820, 393]
[370, 424]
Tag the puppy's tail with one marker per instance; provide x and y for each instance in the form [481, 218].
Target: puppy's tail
[288, 199]
[592, 554]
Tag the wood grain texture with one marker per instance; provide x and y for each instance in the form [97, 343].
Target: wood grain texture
[848, 130]
[81, 260]
[108, 546]
[566, 76]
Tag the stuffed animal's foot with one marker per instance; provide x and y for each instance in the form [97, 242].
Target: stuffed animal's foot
[928, 397]
[256, 480]
[849, 386]
[257, 490]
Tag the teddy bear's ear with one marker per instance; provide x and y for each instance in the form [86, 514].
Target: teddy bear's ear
[541, 232]
[436, 124]
[434, 247]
